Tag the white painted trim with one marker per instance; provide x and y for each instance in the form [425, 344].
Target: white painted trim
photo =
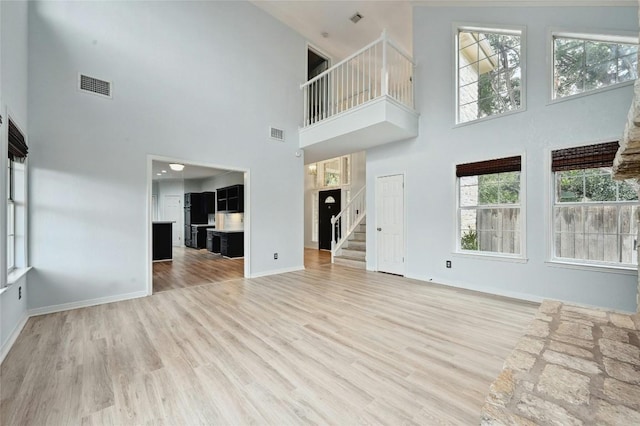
[278, 271]
[13, 337]
[85, 303]
[491, 28]
[404, 220]
[524, 3]
[603, 268]
[15, 275]
[486, 290]
[149, 211]
[591, 33]
[519, 258]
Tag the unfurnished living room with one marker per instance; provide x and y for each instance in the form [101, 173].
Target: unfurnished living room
[320, 212]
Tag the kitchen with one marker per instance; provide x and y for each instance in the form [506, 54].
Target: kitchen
[204, 207]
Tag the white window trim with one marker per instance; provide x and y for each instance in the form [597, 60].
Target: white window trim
[488, 255]
[562, 262]
[496, 29]
[593, 35]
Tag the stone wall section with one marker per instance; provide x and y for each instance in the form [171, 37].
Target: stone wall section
[574, 366]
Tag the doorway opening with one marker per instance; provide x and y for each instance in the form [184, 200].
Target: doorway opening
[198, 224]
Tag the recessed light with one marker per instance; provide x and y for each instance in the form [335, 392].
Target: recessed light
[159, 174]
[164, 171]
[176, 166]
[325, 34]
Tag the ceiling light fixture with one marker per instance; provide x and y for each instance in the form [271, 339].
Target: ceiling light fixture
[356, 17]
[324, 34]
[164, 171]
[176, 166]
[159, 174]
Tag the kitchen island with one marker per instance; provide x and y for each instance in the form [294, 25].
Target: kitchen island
[229, 243]
[162, 235]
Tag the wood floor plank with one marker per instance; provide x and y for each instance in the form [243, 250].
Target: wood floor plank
[327, 345]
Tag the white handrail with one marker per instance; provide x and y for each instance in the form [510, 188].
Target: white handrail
[381, 68]
[348, 219]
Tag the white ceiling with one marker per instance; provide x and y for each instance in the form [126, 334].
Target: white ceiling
[189, 172]
[311, 18]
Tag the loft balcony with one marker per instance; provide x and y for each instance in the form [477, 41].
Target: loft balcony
[365, 100]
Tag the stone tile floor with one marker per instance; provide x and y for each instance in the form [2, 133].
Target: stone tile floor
[574, 366]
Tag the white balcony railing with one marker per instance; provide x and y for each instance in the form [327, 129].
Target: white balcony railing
[347, 221]
[379, 69]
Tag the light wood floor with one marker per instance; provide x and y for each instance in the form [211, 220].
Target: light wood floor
[328, 345]
[191, 267]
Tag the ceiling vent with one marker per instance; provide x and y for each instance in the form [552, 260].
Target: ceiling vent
[276, 134]
[356, 17]
[94, 85]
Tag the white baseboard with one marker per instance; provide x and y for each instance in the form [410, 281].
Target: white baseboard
[13, 337]
[278, 271]
[486, 290]
[85, 303]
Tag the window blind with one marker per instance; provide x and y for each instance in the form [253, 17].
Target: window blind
[17, 146]
[500, 165]
[584, 157]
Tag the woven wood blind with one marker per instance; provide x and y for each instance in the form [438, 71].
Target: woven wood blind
[500, 165]
[584, 157]
[17, 146]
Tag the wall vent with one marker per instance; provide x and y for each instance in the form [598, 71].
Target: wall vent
[94, 85]
[356, 17]
[276, 134]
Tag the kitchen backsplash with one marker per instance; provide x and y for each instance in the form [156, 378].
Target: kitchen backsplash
[230, 221]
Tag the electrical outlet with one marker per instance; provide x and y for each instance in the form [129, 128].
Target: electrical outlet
[19, 292]
[275, 256]
[448, 264]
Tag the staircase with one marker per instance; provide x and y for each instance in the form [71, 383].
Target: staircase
[354, 250]
[350, 248]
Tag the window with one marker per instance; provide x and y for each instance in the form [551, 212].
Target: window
[331, 173]
[489, 212]
[11, 221]
[594, 216]
[490, 70]
[16, 198]
[583, 62]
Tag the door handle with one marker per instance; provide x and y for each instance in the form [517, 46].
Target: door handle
[379, 229]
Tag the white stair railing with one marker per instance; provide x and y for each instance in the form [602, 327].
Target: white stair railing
[379, 69]
[347, 221]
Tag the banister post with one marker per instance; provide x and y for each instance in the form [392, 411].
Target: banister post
[384, 77]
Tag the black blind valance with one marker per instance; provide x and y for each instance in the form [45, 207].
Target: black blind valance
[584, 157]
[17, 145]
[500, 165]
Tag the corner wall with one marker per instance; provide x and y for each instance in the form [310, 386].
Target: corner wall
[194, 81]
[13, 100]
[429, 160]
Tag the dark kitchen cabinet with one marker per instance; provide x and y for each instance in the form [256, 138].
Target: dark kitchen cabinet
[213, 241]
[227, 243]
[231, 199]
[197, 208]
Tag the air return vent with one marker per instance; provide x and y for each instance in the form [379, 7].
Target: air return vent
[94, 85]
[276, 134]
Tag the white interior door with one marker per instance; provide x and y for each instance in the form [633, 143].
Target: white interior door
[172, 210]
[390, 223]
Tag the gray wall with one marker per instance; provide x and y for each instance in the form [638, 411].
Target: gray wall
[429, 160]
[221, 181]
[185, 87]
[13, 98]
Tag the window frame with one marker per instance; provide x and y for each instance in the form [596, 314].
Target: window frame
[11, 217]
[519, 257]
[607, 36]
[578, 264]
[552, 258]
[494, 29]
